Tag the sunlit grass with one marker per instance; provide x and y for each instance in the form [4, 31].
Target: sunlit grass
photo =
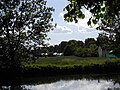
[71, 65]
[70, 61]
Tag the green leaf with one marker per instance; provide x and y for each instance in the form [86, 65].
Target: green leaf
[94, 21]
[89, 22]
[103, 9]
[98, 28]
[67, 8]
[97, 16]
[71, 20]
[109, 21]
[83, 16]
[101, 15]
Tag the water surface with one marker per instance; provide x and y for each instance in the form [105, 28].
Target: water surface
[75, 82]
[77, 85]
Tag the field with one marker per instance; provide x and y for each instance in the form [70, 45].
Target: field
[71, 65]
[70, 61]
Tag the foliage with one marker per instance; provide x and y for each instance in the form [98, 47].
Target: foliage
[87, 52]
[89, 41]
[89, 48]
[113, 29]
[23, 24]
[62, 46]
[103, 9]
[105, 42]
[68, 51]
[105, 13]
[78, 48]
[70, 48]
[83, 52]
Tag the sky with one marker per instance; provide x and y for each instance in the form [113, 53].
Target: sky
[65, 31]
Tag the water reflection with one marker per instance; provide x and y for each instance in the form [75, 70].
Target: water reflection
[77, 85]
[13, 88]
[80, 82]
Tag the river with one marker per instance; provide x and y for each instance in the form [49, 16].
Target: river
[68, 82]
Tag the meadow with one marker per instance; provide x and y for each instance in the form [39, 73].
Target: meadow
[71, 65]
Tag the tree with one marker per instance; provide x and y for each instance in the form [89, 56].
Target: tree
[56, 48]
[80, 44]
[93, 50]
[104, 12]
[68, 51]
[89, 41]
[72, 46]
[62, 45]
[113, 29]
[105, 42]
[51, 48]
[83, 52]
[101, 9]
[23, 23]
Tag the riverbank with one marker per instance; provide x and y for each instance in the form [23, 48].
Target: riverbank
[71, 66]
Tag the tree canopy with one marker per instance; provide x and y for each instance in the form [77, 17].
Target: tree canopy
[100, 9]
[23, 24]
[105, 13]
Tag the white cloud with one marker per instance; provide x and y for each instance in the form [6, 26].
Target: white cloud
[61, 15]
[86, 30]
[82, 30]
[62, 29]
[82, 23]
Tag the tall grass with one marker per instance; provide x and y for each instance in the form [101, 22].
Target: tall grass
[70, 61]
[72, 65]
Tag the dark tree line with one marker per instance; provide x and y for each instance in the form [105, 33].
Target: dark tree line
[88, 48]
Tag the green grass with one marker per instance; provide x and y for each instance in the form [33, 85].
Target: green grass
[69, 61]
[71, 65]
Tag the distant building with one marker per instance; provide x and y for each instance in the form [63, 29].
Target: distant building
[57, 54]
[44, 54]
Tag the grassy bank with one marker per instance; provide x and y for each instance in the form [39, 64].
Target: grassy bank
[71, 65]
